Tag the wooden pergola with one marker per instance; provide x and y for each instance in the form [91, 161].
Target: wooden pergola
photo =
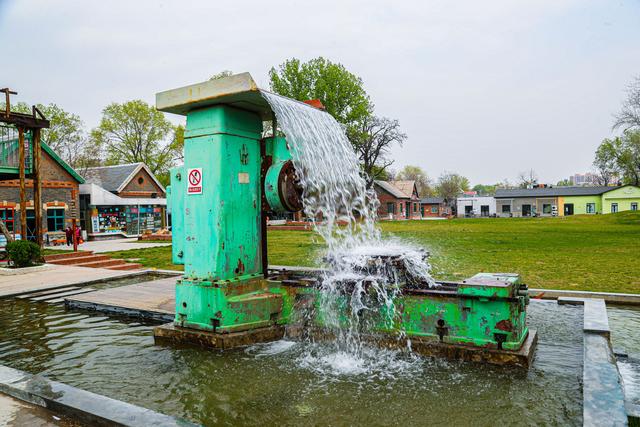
[32, 123]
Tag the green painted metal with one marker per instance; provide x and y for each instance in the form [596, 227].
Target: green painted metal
[219, 229]
[487, 310]
[9, 154]
[9, 157]
[222, 224]
[277, 149]
[175, 199]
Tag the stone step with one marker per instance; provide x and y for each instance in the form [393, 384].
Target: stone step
[47, 292]
[126, 266]
[80, 260]
[110, 262]
[62, 294]
[70, 254]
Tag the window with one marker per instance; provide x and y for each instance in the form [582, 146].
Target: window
[55, 219]
[140, 181]
[506, 208]
[591, 208]
[546, 208]
[614, 207]
[484, 210]
[415, 207]
[8, 215]
[391, 208]
[634, 206]
[401, 207]
[434, 209]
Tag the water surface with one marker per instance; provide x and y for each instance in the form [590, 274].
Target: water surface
[291, 383]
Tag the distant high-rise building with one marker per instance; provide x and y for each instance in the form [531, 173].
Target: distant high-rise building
[584, 179]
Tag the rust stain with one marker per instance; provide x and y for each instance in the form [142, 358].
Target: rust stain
[505, 325]
[240, 267]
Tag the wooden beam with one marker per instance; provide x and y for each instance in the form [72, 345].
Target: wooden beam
[24, 120]
[37, 186]
[23, 194]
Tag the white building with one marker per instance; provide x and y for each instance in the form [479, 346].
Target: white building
[475, 206]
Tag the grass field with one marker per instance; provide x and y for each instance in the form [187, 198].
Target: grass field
[594, 253]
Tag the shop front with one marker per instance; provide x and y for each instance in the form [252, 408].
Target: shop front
[110, 216]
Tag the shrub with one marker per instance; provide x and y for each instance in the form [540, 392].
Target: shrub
[23, 253]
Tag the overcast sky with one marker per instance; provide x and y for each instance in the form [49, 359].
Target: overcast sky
[483, 88]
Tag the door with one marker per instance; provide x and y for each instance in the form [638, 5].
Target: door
[526, 210]
[484, 210]
[568, 209]
[614, 207]
[31, 225]
[468, 210]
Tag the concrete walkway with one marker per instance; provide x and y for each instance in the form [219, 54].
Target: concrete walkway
[101, 246]
[16, 413]
[53, 277]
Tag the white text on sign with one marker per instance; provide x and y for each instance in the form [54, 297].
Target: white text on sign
[194, 181]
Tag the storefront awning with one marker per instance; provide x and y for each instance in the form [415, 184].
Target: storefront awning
[101, 197]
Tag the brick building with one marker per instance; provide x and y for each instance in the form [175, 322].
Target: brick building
[122, 201]
[60, 198]
[398, 200]
[434, 207]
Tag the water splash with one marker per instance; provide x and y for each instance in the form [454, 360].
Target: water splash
[366, 271]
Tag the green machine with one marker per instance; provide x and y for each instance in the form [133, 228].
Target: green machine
[231, 178]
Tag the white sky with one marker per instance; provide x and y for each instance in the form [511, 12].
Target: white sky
[483, 88]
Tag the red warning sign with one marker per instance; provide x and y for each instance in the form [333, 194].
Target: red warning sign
[194, 181]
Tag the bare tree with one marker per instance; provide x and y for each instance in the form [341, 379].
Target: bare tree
[372, 139]
[629, 115]
[527, 178]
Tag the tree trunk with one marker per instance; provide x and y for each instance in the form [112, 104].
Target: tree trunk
[5, 232]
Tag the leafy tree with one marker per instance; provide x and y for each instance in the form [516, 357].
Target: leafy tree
[606, 163]
[343, 95]
[372, 138]
[629, 116]
[449, 186]
[340, 91]
[487, 190]
[417, 174]
[619, 157]
[177, 153]
[65, 135]
[565, 183]
[136, 132]
[527, 178]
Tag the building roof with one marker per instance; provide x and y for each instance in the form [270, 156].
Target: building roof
[391, 189]
[61, 162]
[405, 186]
[115, 178]
[432, 200]
[101, 197]
[552, 192]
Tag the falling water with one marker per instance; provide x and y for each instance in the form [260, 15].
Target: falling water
[343, 213]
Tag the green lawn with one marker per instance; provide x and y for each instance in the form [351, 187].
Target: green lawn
[595, 253]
